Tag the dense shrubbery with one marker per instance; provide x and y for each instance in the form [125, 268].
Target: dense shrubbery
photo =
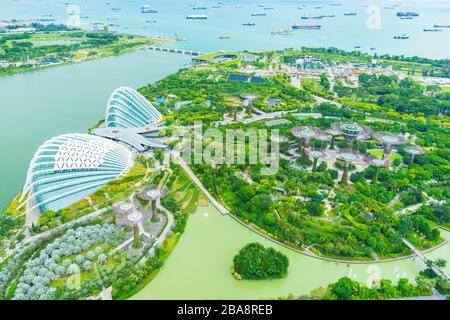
[347, 289]
[256, 262]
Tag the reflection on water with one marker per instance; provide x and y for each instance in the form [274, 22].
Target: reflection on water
[39, 105]
[203, 257]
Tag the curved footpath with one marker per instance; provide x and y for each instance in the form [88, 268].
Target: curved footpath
[224, 211]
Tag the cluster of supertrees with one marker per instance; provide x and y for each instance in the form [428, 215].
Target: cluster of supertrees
[352, 133]
[132, 213]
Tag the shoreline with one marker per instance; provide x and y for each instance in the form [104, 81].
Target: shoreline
[157, 41]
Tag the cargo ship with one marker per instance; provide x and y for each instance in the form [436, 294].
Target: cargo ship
[306, 26]
[147, 9]
[432, 30]
[350, 14]
[258, 14]
[441, 26]
[311, 18]
[197, 17]
[407, 14]
[249, 23]
[199, 8]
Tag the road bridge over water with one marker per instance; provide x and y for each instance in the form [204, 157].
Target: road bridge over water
[180, 51]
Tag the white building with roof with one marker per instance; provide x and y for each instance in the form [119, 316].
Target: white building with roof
[131, 119]
[69, 167]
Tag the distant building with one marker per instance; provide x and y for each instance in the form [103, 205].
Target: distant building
[99, 27]
[309, 63]
[131, 119]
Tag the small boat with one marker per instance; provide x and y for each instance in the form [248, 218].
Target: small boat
[268, 8]
[150, 21]
[224, 37]
[373, 48]
[311, 18]
[258, 14]
[249, 24]
[441, 26]
[350, 14]
[432, 30]
[199, 8]
[196, 17]
[306, 26]
[147, 9]
[402, 37]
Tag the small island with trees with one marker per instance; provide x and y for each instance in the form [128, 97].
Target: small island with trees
[255, 262]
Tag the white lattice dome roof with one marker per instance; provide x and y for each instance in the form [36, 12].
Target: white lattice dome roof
[127, 108]
[69, 167]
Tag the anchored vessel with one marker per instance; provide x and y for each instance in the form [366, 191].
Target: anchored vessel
[402, 37]
[199, 8]
[407, 14]
[197, 17]
[432, 30]
[307, 26]
[147, 9]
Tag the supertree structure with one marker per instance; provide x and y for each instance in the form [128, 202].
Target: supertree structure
[134, 218]
[315, 154]
[351, 131]
[377, 163]
[348, 157]
[333, 133]
[153, 194]
[129, 216]
[389, 140]
[413, 151]
[307, 133]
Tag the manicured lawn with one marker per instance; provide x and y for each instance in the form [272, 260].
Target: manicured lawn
[378, 153]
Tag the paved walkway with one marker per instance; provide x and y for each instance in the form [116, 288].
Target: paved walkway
[424, 259]
[194, 178]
